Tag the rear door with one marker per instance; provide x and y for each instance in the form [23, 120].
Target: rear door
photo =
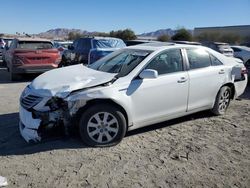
[82, 50]
[206, 75]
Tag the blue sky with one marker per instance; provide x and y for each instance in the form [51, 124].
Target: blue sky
[34, 16]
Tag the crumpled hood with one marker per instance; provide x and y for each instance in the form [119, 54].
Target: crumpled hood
[60, 82]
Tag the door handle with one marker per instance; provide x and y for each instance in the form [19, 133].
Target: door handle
[222, 71]
[182, 79]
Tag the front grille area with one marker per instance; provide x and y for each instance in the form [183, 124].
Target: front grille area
[29, 101]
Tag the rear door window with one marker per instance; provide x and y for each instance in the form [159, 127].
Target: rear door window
[198, 58]
[83, 44]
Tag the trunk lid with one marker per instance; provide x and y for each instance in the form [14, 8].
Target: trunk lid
[40, 56]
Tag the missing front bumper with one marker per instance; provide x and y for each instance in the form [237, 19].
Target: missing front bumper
[29, 134]
[28, 126]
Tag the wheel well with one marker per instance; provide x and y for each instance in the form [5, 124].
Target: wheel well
[101, 101]
[231, 85]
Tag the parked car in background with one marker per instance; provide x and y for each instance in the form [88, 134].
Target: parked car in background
[130, 88]
[89, 49]
[2, 46]
[221, 47]
[245, 44]
[62, 45]
[31, 55]
[6, 47]
[243, 53]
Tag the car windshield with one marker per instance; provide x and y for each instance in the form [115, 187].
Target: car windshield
[122, 62]
[34, 45]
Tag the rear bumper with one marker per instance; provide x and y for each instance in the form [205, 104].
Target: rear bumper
[33, 68]
[240, 86]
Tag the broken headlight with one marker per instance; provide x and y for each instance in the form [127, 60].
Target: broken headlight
[56, 103]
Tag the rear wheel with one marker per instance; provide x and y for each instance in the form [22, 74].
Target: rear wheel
[102, 125]
[13, 76]
[222, 101]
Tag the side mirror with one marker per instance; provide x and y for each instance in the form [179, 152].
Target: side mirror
[148, 74]
[70, 47]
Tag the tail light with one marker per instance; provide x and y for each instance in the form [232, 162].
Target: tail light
[17, 61]
[244, 70]
[58, 59]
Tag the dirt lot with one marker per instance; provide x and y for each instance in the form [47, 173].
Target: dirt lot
[200, 150]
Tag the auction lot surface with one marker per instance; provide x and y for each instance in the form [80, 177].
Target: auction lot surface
[200, 150]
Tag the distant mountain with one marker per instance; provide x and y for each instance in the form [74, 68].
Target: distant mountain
[159, 32]
[62, 33]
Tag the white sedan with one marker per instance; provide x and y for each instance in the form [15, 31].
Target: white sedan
[131, 88]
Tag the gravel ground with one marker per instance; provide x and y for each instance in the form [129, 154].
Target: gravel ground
[199, 150]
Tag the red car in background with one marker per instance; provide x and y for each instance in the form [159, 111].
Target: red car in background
[31, 55]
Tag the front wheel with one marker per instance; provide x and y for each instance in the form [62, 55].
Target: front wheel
[222, 101]
[102, 125]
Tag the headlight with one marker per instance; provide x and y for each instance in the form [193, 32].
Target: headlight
[56, 103]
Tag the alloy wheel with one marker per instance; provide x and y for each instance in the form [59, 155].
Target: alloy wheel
[102, 127]
[224, 100]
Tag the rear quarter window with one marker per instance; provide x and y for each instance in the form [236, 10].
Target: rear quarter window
[215, 61]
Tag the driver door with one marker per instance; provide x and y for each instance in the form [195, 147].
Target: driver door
[157, 99]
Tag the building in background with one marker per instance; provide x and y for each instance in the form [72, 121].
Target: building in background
[243, 31]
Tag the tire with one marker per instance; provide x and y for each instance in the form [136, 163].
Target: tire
[63, 62]
[4, 63]
[222, 101]
[14, 77]
[102, 125]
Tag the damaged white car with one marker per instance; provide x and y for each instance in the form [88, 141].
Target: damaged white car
[128, 89]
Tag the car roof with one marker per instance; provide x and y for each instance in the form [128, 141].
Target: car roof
[221, 43]
[94, 37]
[33, 39]
[63, 42]
[162, 45]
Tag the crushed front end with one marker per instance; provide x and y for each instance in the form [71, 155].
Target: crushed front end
[39, 114]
